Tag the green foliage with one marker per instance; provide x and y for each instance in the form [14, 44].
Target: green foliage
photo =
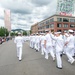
[24, 33]
[3, 32]
[13, 34]
[30, 31]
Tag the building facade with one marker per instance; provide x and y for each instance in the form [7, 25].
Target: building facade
[55, 23]
[34, 28]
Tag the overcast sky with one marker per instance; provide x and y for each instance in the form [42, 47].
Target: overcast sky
[25, 13]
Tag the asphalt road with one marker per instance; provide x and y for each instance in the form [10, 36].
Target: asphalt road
[33, 63]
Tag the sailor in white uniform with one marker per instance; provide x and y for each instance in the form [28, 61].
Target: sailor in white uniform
[70, 47]
[19, 43]
[48, 45]
[58, 47]
[42, 38]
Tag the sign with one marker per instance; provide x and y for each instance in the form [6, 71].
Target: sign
[65, 14]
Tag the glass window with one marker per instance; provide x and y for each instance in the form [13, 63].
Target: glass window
[65, 25]
[51, 26]
[72, 20]
[72, 25]
[47, 26]
[52, 20]
[47, 22]
[59, 25]
[59, 19]
[65, 20]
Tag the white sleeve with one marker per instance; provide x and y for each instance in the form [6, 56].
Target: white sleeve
[53, 37]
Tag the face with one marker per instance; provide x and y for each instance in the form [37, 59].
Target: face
[57, 35]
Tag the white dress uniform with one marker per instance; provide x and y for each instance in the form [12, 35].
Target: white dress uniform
[59, 49]
[74, 45]
[49, 46]
[70, 48]
[33, 41]
[19, 43]
[42, 44]
[38, 42]
[30, 41]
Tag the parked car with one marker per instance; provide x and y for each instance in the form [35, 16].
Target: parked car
[0, 40]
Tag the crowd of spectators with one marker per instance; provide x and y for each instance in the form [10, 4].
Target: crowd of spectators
[4, 39]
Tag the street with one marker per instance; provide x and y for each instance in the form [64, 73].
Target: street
[33, 63]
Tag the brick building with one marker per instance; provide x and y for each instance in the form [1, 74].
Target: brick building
[34, 28]
[55, 23]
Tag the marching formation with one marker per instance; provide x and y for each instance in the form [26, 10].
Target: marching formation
[56, 44]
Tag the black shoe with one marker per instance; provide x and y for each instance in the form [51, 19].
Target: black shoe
[61, 55]
[20, 60]
[36, 50]
[59, 67]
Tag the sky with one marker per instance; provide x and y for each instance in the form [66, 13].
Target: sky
[25, 13]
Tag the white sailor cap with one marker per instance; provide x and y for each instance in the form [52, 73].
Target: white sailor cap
[57, 32]
[36, 33]
[70, 30]
[65, 31]
[42, 33]
[46, 30]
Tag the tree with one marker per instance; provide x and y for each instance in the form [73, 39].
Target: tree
[24, 33]
[30, 31]
[3, 32]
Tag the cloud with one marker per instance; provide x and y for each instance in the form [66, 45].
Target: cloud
[17, 6]
[25, 13]
[28, 12]
[2, 23]
[40, 3]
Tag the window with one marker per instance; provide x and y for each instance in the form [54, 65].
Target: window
[47, 22]
[72, 25]
[65, 25]
[52, 20]
[65, 20]
[72, 20]
[51, 26]
[47, 26]
[59, 19]
[59, 25]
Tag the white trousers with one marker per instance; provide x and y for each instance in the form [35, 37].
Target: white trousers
[42, 49]
[49, 49]
[19, 52]
[69, 53]
[30, 43]
[38, 45]
[33, 44]
[58, 59]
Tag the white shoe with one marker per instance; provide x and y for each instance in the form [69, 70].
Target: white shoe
[72, 62]
[69, 61]
[46, 57]
[53, 58]
[42, 53]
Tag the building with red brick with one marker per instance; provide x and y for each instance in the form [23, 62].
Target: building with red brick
[56, 23]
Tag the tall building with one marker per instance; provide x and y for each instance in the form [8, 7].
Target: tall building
[7, 20]
[65, 7]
